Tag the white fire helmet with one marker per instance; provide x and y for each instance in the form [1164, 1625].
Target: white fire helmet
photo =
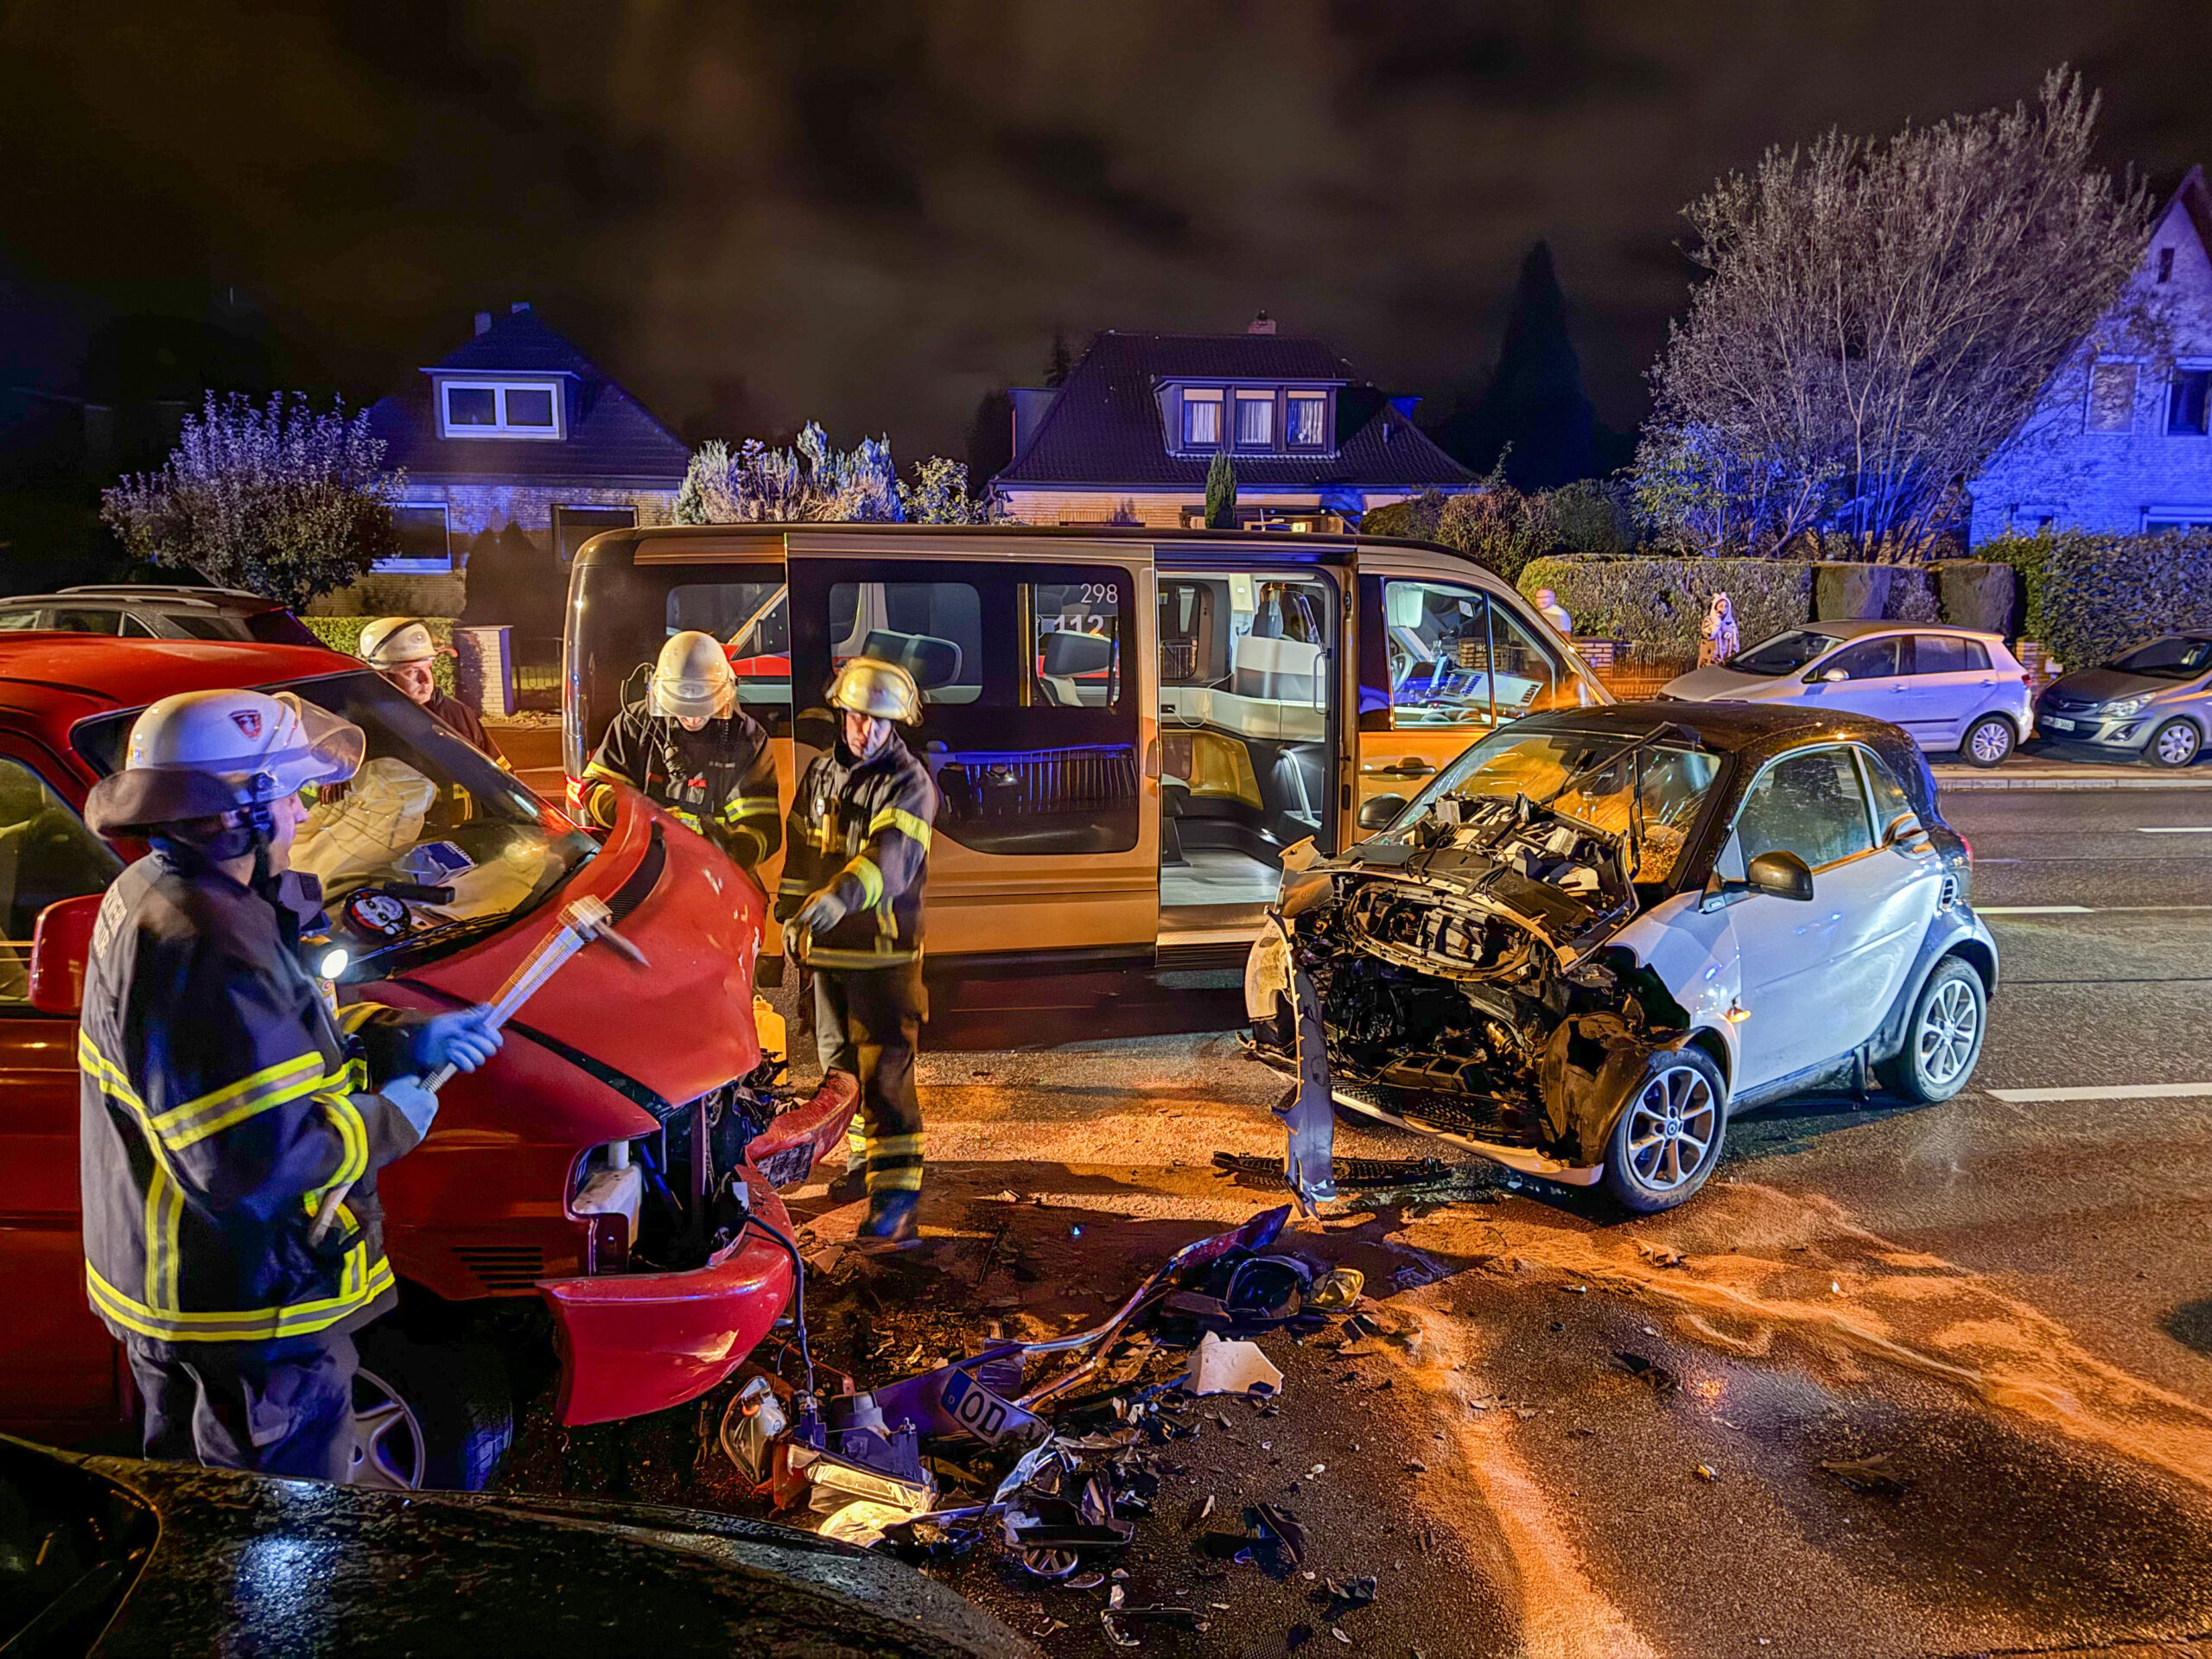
[200, 754]
[396, 641]
[693, 680]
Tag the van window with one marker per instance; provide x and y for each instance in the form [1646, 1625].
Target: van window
[45, 854]
[1457, 660]
[619, 616]
[1029, 723]
[752, 620]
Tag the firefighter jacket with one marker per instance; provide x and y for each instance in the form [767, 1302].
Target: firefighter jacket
[220, 1103]
[864, 831]
[719, 780]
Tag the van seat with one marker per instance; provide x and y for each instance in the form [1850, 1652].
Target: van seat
[1283, 671]
[932, 662]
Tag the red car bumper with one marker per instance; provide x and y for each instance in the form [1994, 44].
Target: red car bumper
[634, 1343]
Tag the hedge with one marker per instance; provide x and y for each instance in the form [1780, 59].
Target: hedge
[1661, 603]
[2089, 598]
[344, 634]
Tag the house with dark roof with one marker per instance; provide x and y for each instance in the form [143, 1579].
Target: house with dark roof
[518, 449]
[2122, 440]
[1129, 437]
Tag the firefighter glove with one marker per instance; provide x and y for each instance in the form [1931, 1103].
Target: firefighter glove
[822, 912]
[416, 1103]
[463, 1040]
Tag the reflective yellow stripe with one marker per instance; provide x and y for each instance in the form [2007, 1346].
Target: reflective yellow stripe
[594, 769]
[272, 1085]
[749, 806]
[817, 956]
[370, 1281]
[251, 1107]
[688, 820]
[353, 1137]
[899, 818]
[893, 1145]
[870, 878]
[164, 1212]
[107, 1073]
[354, 1016]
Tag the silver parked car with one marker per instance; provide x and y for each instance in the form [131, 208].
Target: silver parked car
[1950, 688]
[2155, 701]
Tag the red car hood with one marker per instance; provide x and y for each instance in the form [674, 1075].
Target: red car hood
[683, 1025]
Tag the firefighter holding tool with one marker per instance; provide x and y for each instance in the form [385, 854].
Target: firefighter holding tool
[221, 1101]
[691, 750]
[851, 903]
[400, 648]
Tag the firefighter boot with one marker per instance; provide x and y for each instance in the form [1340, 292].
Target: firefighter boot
[891, 1217]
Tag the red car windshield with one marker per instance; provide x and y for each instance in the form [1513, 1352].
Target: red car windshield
[425, 810]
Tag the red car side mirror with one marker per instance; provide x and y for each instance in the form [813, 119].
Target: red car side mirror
[61, 943]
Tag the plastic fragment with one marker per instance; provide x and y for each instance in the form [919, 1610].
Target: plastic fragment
[1233, 1367]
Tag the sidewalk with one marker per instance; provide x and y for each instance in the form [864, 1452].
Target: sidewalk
[2030, 772]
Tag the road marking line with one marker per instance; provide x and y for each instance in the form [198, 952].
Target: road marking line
[2032, 910]
[2173, 829]
[2105, 1091]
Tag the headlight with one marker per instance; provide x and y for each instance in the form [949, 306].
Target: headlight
[2125, 706]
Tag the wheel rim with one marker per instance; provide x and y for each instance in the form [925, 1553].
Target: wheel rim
[2178, 744]
[1992, 740]
[1671, 1126]
[1948, 1032]
[388, 1445]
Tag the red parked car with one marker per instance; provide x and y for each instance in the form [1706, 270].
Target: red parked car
[605, 1182]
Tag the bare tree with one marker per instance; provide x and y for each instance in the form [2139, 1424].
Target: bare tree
[1881, 318]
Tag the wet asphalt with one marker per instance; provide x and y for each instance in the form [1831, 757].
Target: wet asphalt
[1902, 1381]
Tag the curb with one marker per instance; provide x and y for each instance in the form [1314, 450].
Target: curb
[1964, 782]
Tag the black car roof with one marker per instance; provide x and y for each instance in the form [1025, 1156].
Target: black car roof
[1725, 728]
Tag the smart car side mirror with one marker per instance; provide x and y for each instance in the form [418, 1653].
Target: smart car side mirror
[61, 943]
[1381, 812]
[1780, 875]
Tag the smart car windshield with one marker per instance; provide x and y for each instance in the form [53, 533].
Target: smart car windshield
[1785, 653]
[425, 811]
[2176, 657]
[1613, 782]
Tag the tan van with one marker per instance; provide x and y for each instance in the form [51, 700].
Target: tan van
[1128, 728]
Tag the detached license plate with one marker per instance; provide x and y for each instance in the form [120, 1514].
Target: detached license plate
[2057, 724]
[981, 1413]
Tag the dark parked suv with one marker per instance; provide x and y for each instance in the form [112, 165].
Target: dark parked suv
[149, 611]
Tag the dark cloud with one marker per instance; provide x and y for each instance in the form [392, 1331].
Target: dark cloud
[874, 212]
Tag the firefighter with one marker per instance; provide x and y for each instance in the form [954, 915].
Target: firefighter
[221, 1101]
[400, 648]
[692, 751]
[851, 898]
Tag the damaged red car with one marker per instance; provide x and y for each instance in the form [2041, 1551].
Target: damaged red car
[603, 1196]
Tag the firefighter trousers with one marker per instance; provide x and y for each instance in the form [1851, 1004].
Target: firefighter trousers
[868, 1023]
[272, 1407]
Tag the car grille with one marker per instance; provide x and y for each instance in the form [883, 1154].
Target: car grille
[2054, 703]
[504, 1267]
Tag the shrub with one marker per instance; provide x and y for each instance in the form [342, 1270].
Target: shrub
[1592, 516]
[1975, 594]
[2089, 598]
[344, 634]
[1879, 593]
[1497, 526]
[1660, 603]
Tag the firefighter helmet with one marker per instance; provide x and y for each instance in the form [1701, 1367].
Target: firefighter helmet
[867, 685]
[693, 680]
[396, 641]
[198, 754]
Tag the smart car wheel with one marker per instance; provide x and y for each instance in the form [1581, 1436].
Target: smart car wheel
[2176, 743]
[1943, 1039]
[1668, 1136]
[436, 1414]
[1988, 740]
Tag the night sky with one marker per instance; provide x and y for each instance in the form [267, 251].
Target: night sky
[871, 212]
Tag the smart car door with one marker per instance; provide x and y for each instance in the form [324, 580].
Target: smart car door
[1818, 977]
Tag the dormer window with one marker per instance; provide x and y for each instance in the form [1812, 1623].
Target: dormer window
[1201, 419]
[499, 408]
[1256, 419]
[1309, 420]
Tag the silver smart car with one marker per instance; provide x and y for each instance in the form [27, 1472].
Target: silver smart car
[2155, 701]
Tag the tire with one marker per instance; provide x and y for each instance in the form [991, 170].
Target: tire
[430, 1415]
[1943, 1037]
[1680, 1103]
[2175, 745]
[1988, 742]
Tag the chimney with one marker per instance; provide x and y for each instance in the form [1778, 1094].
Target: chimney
[483, 322]
[520, 307]
[1262, 324]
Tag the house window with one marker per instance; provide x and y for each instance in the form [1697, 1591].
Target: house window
[1201, 419]
[2159, 520]
[1309, 420]
[573, 526]
[425, 540]
[2111, 397]
[483, 408]
[1256, 419]
[2166, 265]
[2186, 407]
